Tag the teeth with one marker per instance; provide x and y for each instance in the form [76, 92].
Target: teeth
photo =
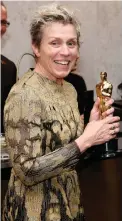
[62, 62]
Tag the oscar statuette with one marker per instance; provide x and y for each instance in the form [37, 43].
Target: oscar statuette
[104, 92]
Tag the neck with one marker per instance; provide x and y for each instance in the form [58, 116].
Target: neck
[40, 70]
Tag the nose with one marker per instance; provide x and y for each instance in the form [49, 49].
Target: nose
[65, 50]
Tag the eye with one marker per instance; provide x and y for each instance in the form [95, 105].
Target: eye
[55, 43]
[72, 44]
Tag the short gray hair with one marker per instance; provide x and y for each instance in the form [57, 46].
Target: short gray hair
[49, 14]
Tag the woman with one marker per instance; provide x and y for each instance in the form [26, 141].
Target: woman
[43, 127]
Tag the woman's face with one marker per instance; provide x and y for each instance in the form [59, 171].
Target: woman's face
[4, 18]
[58, 50]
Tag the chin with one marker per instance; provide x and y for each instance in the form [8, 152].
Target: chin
[62, 74]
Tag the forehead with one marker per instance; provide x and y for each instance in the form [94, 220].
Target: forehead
[59, 30]
[3, 11]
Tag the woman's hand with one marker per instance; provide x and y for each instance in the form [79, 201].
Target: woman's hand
[95, 112]
[98, 132]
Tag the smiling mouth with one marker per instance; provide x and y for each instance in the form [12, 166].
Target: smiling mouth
[62, 62]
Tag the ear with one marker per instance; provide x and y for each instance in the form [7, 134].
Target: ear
[36, 50]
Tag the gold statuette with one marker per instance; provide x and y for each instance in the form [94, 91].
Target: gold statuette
[103, 91]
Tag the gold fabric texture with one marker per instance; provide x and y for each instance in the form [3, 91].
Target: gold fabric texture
[41, 122]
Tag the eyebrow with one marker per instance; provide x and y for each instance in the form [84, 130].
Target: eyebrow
[74, 38]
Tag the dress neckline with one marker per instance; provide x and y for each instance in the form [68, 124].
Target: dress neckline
[47, 80]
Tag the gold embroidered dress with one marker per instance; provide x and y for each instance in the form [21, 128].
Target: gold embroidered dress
[41, 122]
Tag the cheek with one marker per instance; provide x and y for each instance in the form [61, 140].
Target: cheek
[53, 54]
[49, 53]
[75, 54]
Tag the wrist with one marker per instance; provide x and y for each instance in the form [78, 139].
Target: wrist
[82, 143]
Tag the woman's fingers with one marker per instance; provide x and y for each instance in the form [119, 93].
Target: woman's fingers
[109, 102]
[109, 112]
[114, 125]
[114, 128]
[111, 119]
[114, 131]
[110, 109]
[101, 131]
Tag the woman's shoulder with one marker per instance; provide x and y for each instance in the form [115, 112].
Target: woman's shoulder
[69, 89]
[23, 87]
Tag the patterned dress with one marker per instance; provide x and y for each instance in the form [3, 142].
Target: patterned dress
[41, 123]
